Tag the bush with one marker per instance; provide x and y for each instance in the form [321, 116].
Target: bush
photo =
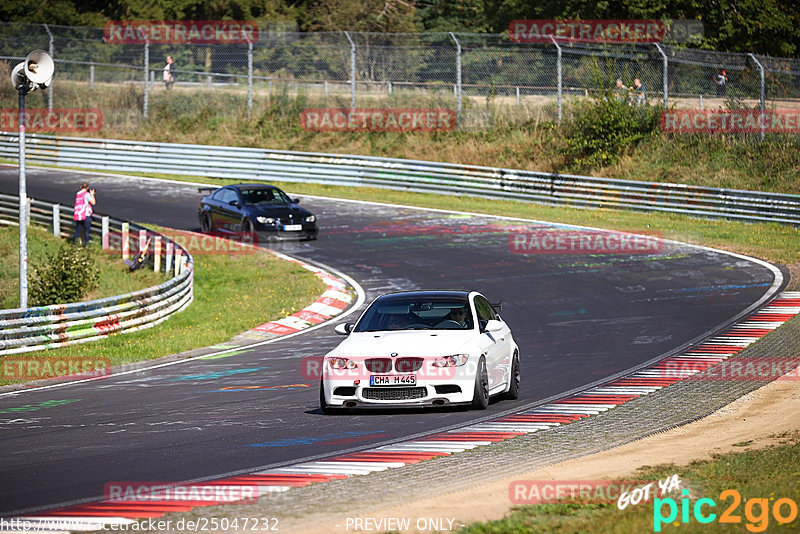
[600, 130]
[66, 276]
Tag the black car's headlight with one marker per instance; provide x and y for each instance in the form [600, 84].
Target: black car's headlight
[310, 219]
[265, 220]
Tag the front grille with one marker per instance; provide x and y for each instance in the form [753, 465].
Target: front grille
[378, 365]
[408, 365]
[390, 394]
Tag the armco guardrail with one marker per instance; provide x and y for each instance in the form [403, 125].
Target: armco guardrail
[31, 329]
[411, 175]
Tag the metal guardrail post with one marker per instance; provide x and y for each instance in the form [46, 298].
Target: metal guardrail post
[560, 79]
[50, 89]
[126, 246]
[666, 73]
[105, 236]
[56, 220]
[146, 68]
[170, 250]
[763, 93]
[91, 76]
[157, 254]
[458, 76]
[352, 71]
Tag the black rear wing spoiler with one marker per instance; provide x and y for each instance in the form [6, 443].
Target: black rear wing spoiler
[207, 190]
[498, 306]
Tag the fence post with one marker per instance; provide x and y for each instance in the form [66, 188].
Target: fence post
[666, 73]
[249, 73]
[558, 70]
[763, 93]
[104, 232]
[352, 71]
[50, 51]
[56, 220]
[458, 76]
[146, 68]
[91, 76]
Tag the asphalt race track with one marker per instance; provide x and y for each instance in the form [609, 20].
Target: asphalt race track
[576, 318]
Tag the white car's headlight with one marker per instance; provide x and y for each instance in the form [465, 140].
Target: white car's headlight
[342, 363]
[310, 219]
[265, 220]
[454, 360]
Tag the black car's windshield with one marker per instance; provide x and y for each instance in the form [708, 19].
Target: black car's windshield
[417, 313]
[264, 195]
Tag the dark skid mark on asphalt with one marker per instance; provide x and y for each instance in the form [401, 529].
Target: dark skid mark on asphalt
[149, 426]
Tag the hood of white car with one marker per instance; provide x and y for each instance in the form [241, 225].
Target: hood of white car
[419, 343]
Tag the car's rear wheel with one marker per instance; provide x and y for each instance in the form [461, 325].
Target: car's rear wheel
[513, 386]
[480, 396]
[205, 224]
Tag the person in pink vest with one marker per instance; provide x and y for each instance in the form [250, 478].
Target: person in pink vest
[82, 212]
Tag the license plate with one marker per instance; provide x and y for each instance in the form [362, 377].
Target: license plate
[292, 227]
[393, 380]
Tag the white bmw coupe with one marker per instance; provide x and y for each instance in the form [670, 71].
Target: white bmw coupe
[422, 348]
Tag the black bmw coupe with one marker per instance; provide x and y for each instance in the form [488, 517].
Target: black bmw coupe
[263, 210]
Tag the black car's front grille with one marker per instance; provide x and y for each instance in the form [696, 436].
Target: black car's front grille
[378, 365]
[394, 393]
[408, 365]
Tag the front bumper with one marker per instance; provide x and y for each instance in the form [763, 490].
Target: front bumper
[344, 393]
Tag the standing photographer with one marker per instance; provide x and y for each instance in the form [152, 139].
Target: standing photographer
[82, 212]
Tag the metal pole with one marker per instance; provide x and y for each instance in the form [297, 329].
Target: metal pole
[249, 75]
[666, 74]
[50, 89]
[352, 71]
[458, 75]
[91, 76]
[763, 93]
[23, 204]
[558, 70]
[146, 68]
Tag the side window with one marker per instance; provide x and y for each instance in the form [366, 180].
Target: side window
[484, 310]
[229, 196]
[218, 194]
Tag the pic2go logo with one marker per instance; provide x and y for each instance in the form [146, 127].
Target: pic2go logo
[756, 511]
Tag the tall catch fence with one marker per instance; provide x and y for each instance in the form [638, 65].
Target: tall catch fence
[465, 72]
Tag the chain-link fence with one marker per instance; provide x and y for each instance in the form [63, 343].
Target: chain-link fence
[469, 73]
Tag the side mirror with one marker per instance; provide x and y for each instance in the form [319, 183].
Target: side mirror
[296, 201]
[343, 329]
[494, 325]
[235, 203]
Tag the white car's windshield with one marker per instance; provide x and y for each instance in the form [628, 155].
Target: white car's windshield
[416, 313]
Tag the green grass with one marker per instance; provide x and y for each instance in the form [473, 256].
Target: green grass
[771, 473]
[231, 294]
[498, 133]
[115, 278]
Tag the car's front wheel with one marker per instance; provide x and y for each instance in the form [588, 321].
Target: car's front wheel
[324, 406]
[480, 396]
[248, 228]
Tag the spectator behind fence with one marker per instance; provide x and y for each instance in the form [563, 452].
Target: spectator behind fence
[640, 92]
[82, 212]
[722, 81]
[621, 92]
[169, 72]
